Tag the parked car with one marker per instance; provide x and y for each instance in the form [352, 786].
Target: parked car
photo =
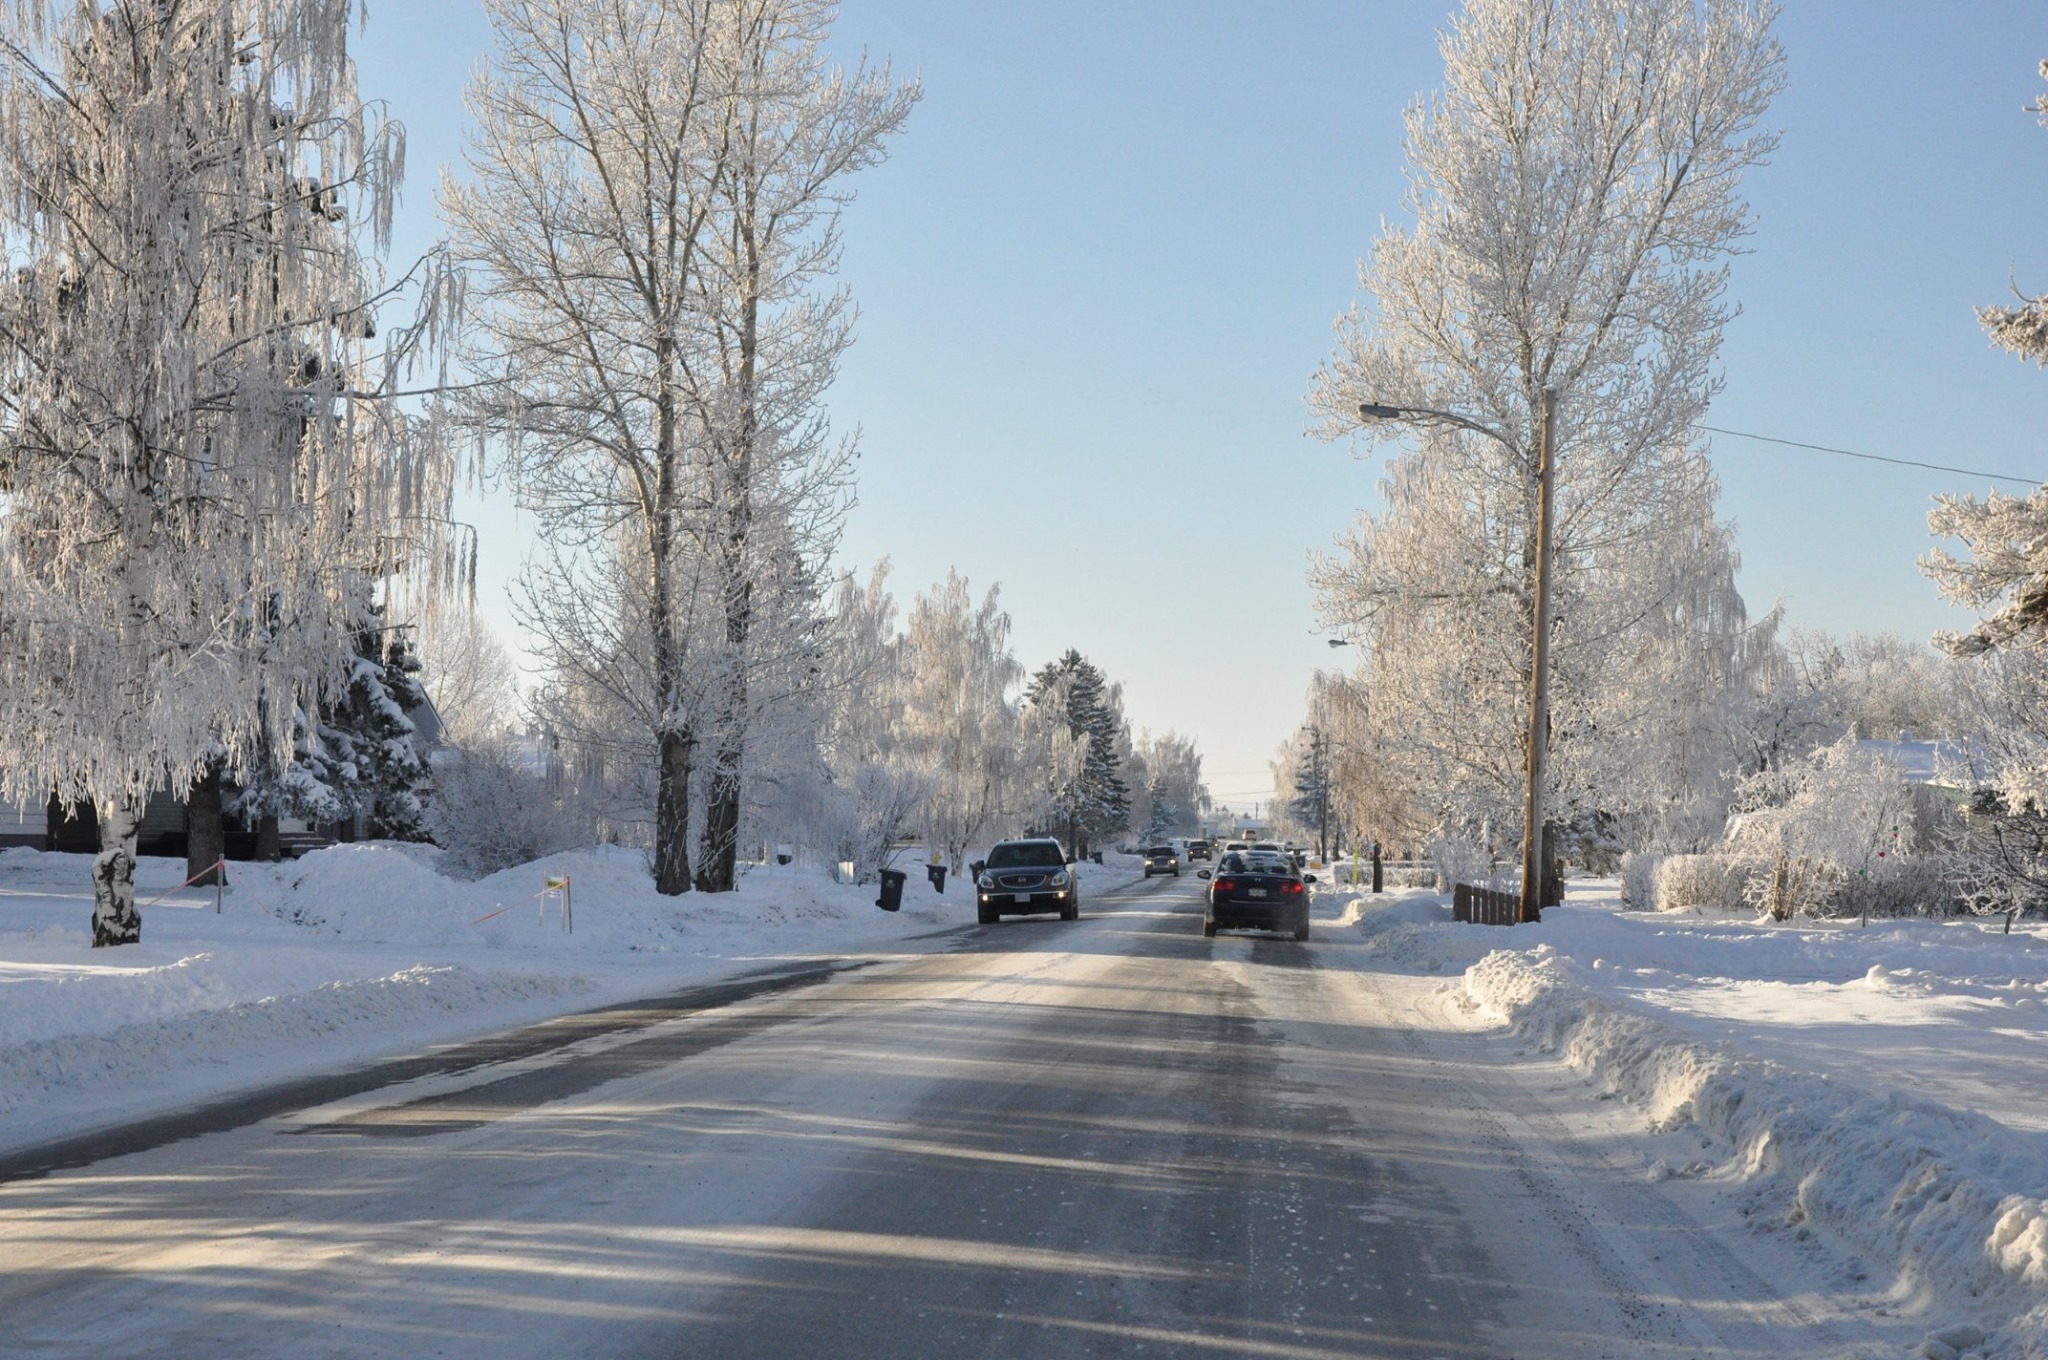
[1257, 890]
[1026, 876]
[1198, 850]
[1160, 859]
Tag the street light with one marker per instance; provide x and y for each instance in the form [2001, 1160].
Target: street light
[1539, 646]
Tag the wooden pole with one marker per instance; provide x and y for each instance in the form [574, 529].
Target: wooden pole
[1539, 670]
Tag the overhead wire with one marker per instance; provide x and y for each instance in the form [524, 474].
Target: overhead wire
[1876, 457]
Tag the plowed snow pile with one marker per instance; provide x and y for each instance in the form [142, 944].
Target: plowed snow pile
[1882, 1083]
[364, 950]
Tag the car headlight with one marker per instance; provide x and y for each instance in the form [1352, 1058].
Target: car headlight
[1061, 879]
[985, 882]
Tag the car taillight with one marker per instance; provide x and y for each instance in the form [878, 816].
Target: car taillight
[1290, 886]
[1225, 884]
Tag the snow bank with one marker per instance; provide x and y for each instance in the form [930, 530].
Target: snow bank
[46, 1070]
[358, 951]
[1955, 1201]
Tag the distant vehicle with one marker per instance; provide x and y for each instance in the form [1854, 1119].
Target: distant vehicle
[1160, 859]
[1235, 848]
[1026, 876]
[1257, 890]
[1273, 847]
[1198, 850]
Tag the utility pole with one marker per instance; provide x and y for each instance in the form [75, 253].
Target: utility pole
[1539, 640]
[1539, 671]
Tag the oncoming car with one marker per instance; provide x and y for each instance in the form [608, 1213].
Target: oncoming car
[1257, 890]
[1160, 859]
[1025, 876]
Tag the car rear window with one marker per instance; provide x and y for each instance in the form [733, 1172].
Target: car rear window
[1023, 855]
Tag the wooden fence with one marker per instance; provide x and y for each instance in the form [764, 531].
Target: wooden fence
[1485, 906]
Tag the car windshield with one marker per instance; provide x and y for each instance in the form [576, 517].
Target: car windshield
[1025, 855]
[1232, 864]
[1160, 850]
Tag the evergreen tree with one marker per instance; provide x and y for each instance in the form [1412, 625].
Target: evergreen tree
[1096, 802]
[360, 757]
[371, 734]
[1311, 803]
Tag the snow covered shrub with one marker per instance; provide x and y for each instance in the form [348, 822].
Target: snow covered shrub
[1639, 880]
[861, 825]
[888, 798]
[1823, 832]
[1917, 885]
[1686, 882]
[1453, 859]
[491, 810]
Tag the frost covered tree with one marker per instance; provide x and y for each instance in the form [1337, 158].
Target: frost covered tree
[1653, 654]
[200, 464]
[1090, 799]
[2022, 328]
[1575, 197]
[2000, 859]
[956, 716]
[1175, 797]
[471, 678]
[797, 128]
[651, 216]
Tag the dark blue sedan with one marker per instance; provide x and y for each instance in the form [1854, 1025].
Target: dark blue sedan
[1257, 890]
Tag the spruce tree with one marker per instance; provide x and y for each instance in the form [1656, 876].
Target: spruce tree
[1097, 803]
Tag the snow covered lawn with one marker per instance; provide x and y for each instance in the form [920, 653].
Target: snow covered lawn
[1882, 1086]
[362, 951]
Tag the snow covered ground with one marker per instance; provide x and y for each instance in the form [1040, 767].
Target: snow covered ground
[1878, 1088]
[362, 951]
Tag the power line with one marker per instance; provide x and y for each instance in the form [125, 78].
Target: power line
[1874, 457]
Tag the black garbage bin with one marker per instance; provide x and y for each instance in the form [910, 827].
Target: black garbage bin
[1095, 855]
[937, 874]
[892, 890]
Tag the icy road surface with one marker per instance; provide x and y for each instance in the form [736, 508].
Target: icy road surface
[1104, 1138]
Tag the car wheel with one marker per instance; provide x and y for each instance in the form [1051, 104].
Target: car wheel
[1071, 912]
[988, 916]
[1209, 929]
[1301, 928]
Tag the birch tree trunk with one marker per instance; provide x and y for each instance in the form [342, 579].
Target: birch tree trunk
[114, 917]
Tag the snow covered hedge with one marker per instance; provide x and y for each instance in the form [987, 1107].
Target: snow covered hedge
[1688, 882]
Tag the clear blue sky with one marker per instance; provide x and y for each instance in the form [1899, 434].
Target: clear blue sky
[1101, 264]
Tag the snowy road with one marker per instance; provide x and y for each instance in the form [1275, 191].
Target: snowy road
[1109, 1138]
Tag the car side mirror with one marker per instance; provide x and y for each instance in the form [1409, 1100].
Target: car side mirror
[1201, 873]
[1308, 878]
[1070, 859]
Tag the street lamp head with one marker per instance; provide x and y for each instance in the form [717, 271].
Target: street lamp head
[1340, 642]
[1373, 410]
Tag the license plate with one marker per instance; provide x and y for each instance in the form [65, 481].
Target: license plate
[1254, 892]
[1020, 897]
